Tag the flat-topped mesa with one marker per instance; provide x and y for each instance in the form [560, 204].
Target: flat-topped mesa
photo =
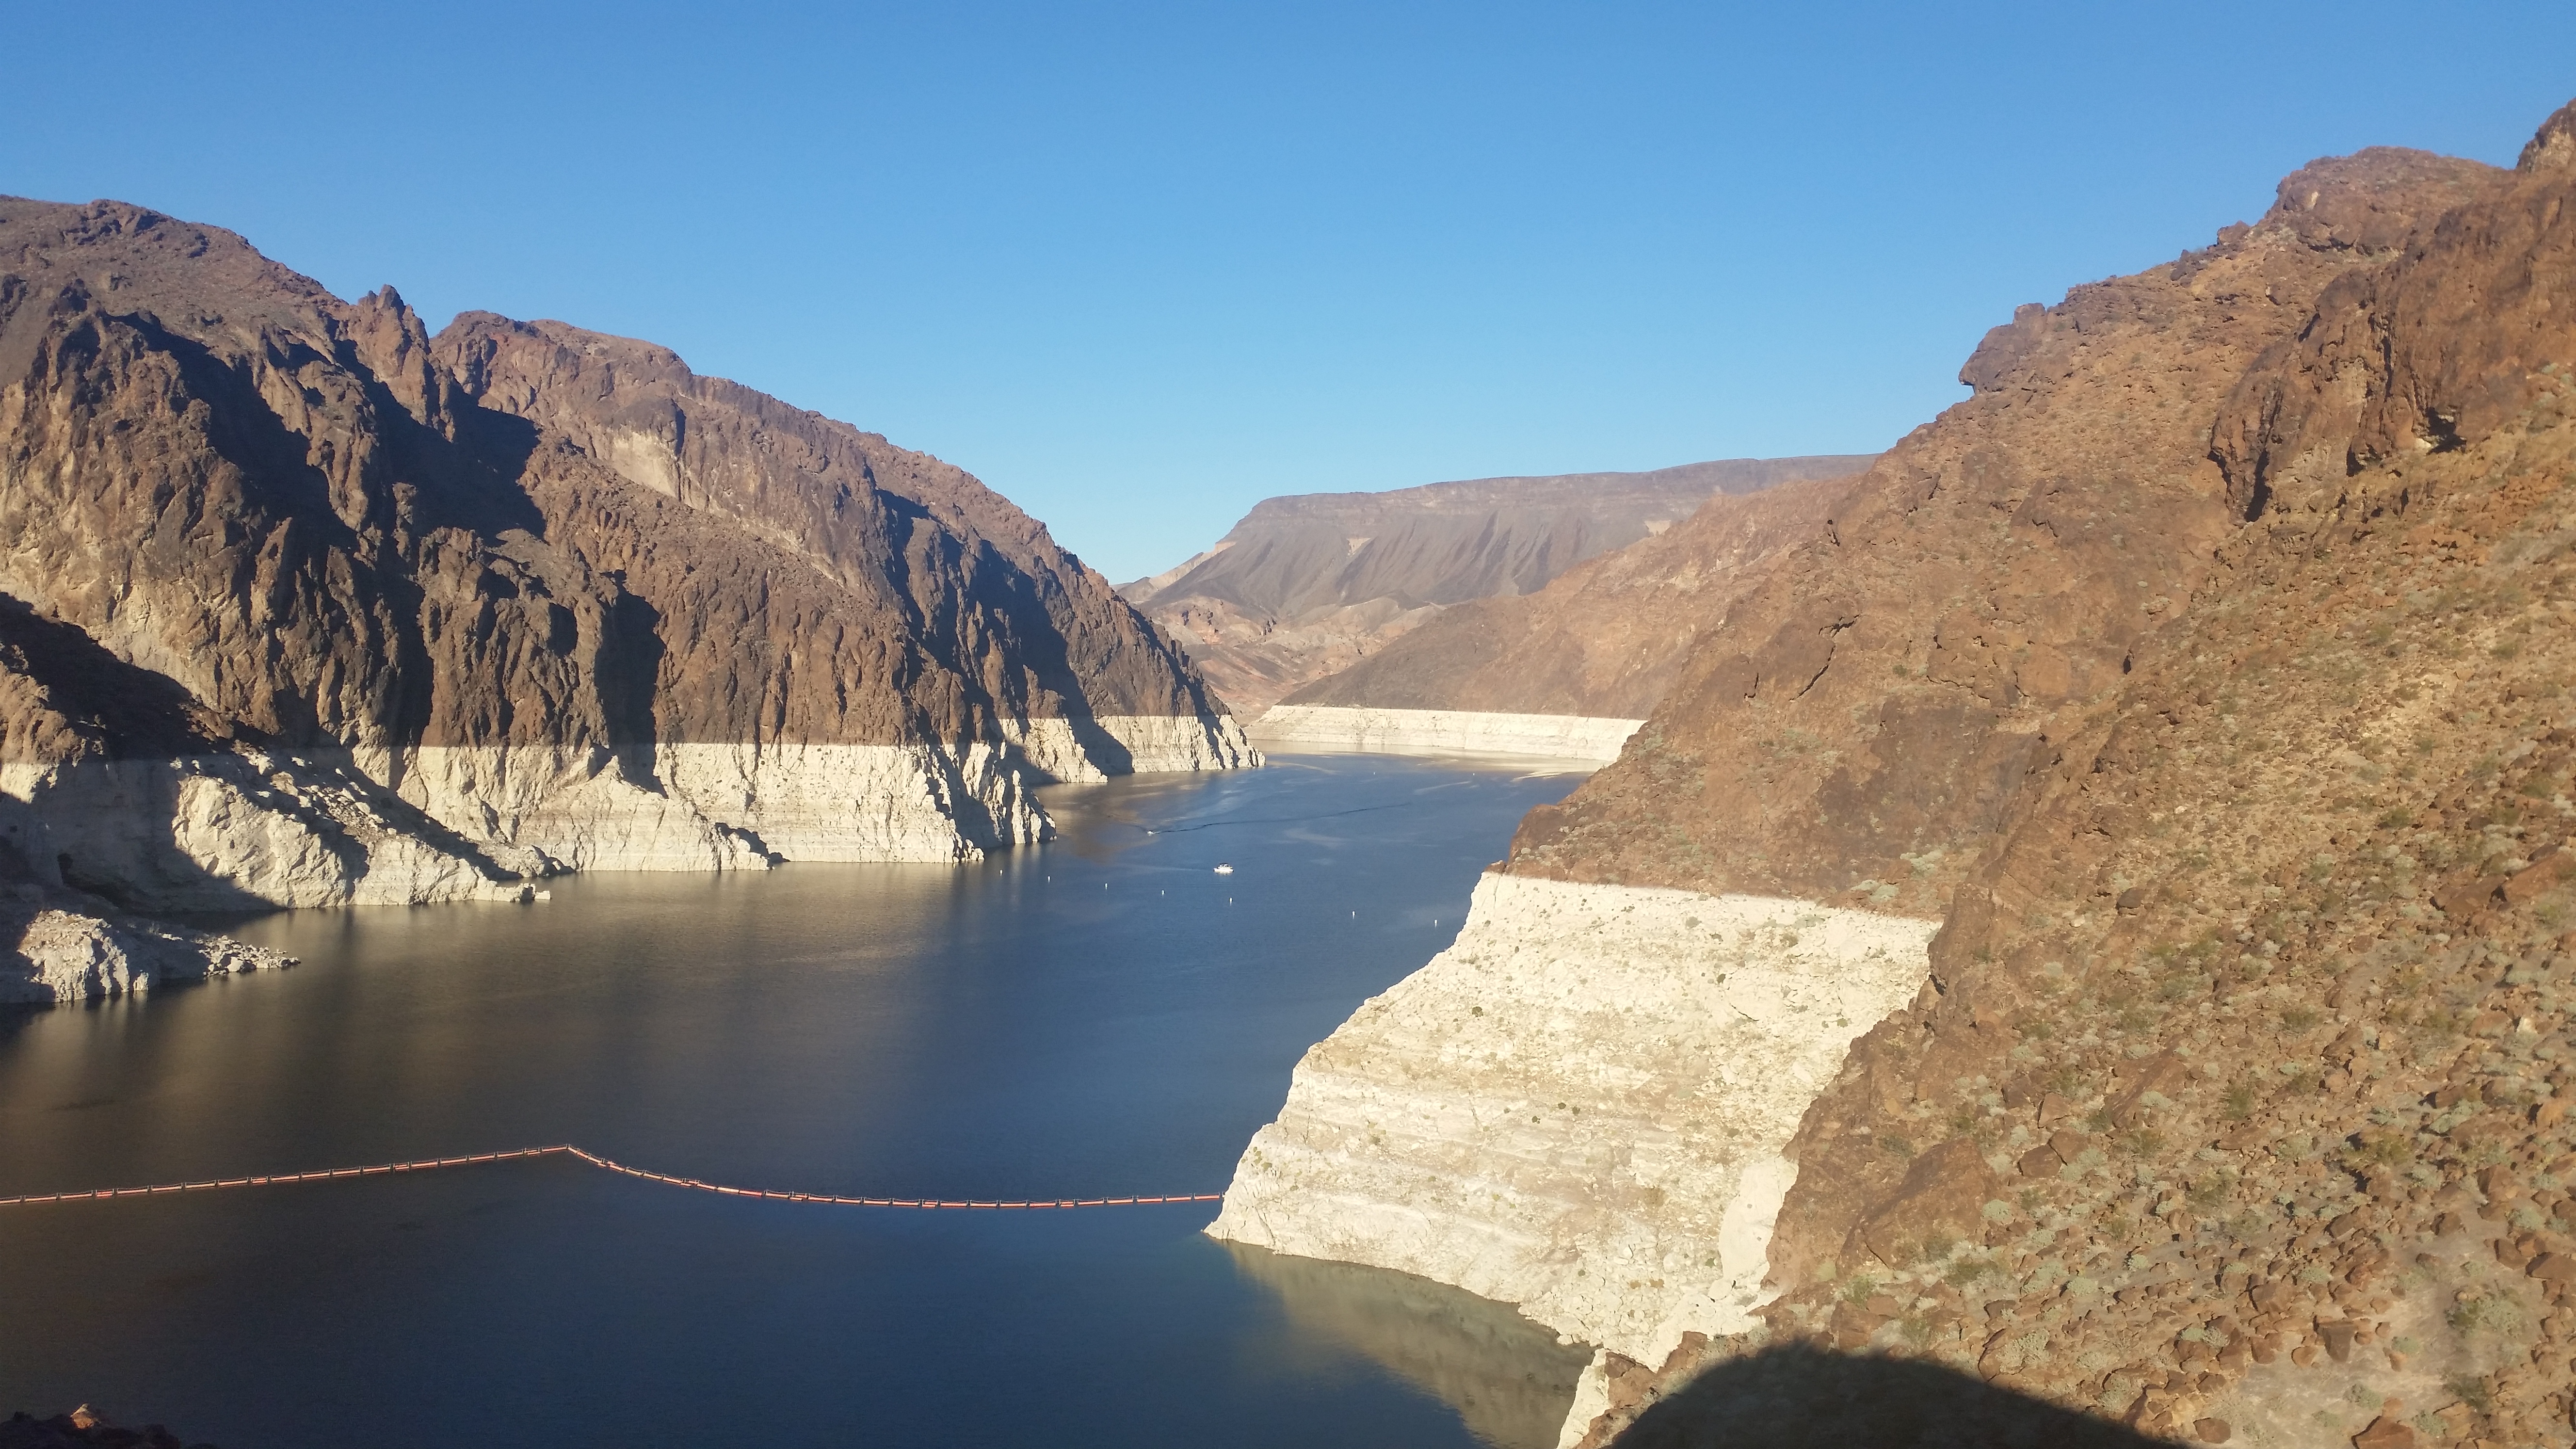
[1858, 718]
[438, 614]
[1598, 643]
[1310, 584]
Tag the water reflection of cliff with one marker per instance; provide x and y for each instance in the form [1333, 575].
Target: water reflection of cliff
[1508, 1378]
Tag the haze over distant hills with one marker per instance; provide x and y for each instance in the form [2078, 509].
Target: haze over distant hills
[1310, 584]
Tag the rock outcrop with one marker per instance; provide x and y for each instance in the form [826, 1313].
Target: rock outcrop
[1311, 584]
[1580, 1106]
[61, 945]
[300, 605]
[2200, 677]
[1603, 639]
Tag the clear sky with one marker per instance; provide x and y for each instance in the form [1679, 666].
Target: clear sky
[1140, 265]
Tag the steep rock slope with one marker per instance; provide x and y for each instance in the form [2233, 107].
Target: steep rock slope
[332, 612]
[1602, 640]
[2254, 1022]
[1309, 584]
[1867, 710]
[1864, 720]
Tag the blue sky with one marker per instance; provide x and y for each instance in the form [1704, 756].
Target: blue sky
[1140, 265]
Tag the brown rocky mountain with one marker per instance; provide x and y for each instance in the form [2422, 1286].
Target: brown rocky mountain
[1309, 584]
[1884, 692]
[2196, 695]
[305, 606]
[1603, 638]
[2250, 960]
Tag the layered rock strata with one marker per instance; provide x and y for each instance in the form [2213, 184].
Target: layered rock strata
[1580, 1106]
[300, 605]
[60, 946]
[1605, 638]
[1325, 729]
[2233, 1106]
[1308, 585]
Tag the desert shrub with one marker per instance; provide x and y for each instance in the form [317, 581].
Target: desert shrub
[2491, 1312]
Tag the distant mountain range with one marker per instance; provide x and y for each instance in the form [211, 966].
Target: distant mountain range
[1309, 584]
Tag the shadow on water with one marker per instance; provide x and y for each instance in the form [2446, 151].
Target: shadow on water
[1800, 1398]
[1509, 1379]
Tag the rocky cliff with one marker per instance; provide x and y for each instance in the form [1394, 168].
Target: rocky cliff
[1600, 643]
[1311, 584]
[2199, 679]
[300, 605]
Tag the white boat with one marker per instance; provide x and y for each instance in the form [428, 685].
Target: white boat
[1225, 870]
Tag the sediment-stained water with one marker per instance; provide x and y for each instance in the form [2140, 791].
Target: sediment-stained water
[1104, 1016]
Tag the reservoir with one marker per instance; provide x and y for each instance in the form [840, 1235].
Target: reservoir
[1102, 1016]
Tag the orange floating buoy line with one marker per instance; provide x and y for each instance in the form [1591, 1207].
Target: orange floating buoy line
[595, 1160]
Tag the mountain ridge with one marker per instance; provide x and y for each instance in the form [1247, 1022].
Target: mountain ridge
[411, 618]
[2198, 694]
[1307, 584]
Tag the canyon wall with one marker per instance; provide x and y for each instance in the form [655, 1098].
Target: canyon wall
[1310, 584]
[2117, 673]
[1580, 1106]
[302, 606]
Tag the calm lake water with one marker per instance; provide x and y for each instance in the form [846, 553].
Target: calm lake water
[1103, 1016]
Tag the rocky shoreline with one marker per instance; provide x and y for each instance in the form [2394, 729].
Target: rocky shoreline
[1580, 1107]
[301, 606]
[2204, 679]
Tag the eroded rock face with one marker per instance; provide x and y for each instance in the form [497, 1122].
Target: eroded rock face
[1605, 638]
[1579, 1107]
[2250, 1008]
[2200, 677]
[1888, 685]
[60, 946]
[301, 606]
[1310, 585]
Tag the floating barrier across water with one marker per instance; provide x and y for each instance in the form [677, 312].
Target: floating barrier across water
[595, 1160]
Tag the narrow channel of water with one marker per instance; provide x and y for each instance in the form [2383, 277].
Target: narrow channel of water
[1102, 1016]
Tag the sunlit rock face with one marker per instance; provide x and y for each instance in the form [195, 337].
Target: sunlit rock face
[1580, 1107]
[1332, 729]
[60, 945]
[1309, 587]
[302, 606]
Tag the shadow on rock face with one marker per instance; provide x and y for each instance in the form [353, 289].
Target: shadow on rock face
[1798, 1398]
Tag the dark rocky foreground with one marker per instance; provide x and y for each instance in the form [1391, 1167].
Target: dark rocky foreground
[82, 1429]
